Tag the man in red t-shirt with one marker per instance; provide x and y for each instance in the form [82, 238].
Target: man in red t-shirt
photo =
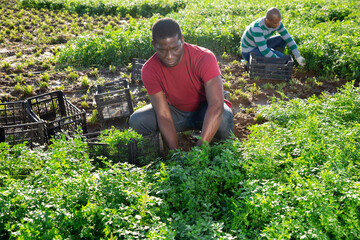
[185, 89]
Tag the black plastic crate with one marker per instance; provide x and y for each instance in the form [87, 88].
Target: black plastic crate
[59, 114]
[137, 152]
[271, 68]
[113, 100]
[17, 125]
[120, 153]
[147, 149]
[137, 65]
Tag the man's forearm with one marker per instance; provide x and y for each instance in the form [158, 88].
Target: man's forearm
[168, 131]
[212, 121]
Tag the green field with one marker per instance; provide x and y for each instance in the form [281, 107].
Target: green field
[327, 33]
[295, 176]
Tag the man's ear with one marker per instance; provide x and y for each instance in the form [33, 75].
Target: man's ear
[182, 38]
[153, 43]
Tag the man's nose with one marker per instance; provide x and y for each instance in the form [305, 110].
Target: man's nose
[169, 55]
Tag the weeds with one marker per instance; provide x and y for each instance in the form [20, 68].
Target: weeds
[85, 82]
[140, 104]
[268, 86]
[45, 77]
[73, 76]
[5, 64]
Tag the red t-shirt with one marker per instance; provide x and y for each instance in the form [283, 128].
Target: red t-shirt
[183, 84]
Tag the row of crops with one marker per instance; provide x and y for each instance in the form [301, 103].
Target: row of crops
[327, 31]
[296, 177]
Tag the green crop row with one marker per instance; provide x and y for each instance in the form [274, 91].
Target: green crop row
[59, 194]
[295, 177]
[111, 48]
[327, 33]
[145, 8]
[302, 169]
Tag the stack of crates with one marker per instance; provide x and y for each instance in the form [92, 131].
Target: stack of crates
[137, 65]
[18, 124]
[271, 68]
[138, 152]
[113, 100]
[59, 114]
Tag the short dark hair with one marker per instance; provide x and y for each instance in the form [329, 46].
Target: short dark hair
[165, 28]
[272, 13]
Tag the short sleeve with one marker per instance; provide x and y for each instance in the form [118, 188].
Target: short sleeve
[150, 81]
[208, 67]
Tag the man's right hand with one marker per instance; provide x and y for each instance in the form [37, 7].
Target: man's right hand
[301, 61]
[164, 119]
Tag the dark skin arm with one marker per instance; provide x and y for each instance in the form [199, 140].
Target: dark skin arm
[164, 118]
[214, 113]
[212, 120]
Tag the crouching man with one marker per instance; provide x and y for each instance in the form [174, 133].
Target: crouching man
[185, 88]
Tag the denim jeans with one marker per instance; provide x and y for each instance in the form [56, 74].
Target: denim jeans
[274, 42]
[144, 120]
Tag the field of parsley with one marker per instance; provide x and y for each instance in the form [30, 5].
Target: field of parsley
[296, 176]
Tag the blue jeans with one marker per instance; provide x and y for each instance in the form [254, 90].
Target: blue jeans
[274, 42]
[144, 120]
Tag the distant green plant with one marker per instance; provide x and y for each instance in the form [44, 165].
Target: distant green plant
[85, 105]
[294, 82]
[94, 72]
[129, 66]
[28, 90]
[30, 62]
[94, 117]
[143, 90]
[280, 86]
[85, 82]
[43, 85]
[72, 76]
[124, 75]
[241, 94]
[45, 77]
[259, 119]
[251, 110]
[267, 86]
[60, 87]
[38, 52]
[140, 105]
[254, 89]
[17, 87]
[227, 85]
[256, 78]
[5, 64]
[45, 65]
[112, 69]
[242, 81]
[19, 67]
[18, 79]
[225, 56]
[228, 76]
